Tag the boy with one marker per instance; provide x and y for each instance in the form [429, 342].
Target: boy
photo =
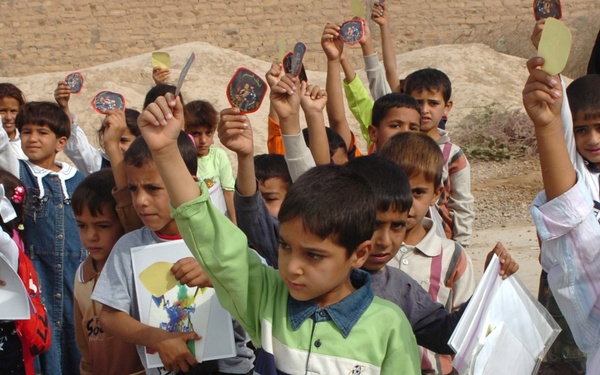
[440, 265]
[317, 314]
[432, 90]
[51, 238]
[115, 288]
[99, 229]
[214, 167]
[565, 217]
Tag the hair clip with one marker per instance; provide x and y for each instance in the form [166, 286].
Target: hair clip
[18, 195]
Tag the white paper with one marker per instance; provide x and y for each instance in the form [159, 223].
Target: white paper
[210, 321]
[503, 353]
[14, 300]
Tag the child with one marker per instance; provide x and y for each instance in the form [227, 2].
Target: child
[21, 340]
[51, 237]
[214, 167]
[440, 265]
[321, 240]
[11, 99]
[115, 289]
[564, 217]
[99, 229]
[432, 90]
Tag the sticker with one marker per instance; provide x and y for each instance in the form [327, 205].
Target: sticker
[547, 8]
[184, 72]
[358, 10]
[297, 57]
[161, 60]
[287, 67]
[75, 82]
[105, 100]
[555, 46]
[157, 278]
[246, 90]
[352, 31]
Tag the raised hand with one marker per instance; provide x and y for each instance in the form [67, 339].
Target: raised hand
[274, 74]
[114, 126]
[542, 94]
[160, 123]
[160, 75]
[235, 132]
[331, 43]
[379, 14]
[313, 98]
[285, 97]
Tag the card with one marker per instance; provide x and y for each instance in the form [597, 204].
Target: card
[547, 8]
[161, 60]
[281, 48]
[287, 67]
[297, 58]
[352, 31]
[246, 90]
[555, 46]
[105, 100]
[357, 9]
[184, 72]
[75, 82]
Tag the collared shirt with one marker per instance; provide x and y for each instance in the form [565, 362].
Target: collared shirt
[344, 313]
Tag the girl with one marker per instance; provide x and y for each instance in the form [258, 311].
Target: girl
[21, 340]
[11, 99]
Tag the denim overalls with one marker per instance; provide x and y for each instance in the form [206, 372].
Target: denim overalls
[53, 244]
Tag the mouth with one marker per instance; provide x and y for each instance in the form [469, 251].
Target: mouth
[294, 286]
[380, 258]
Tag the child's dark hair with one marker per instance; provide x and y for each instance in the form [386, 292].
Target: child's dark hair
[389, 101]
[428, 79]
[138, 153]
[388, 181]
[131, 116]
[200, 113]
[160, 90]
[14, 190]
[12, 91]
[44, 113]
[95, 193]
[556, 368]
[584, 96]
[415, 153]
[332, 201]
[272, 166]
[335, 140]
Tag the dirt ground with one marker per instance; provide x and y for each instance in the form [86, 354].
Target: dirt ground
[503, 194]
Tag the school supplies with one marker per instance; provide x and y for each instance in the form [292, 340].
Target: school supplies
[287, 67]
[352, 31]
[75, 82]
[184, 72]
[106, 100]
[547, 8]
[14, 300]
[554, 46]
[161, 60]
[246, 90]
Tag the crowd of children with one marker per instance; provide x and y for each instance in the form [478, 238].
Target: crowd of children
[328, 261]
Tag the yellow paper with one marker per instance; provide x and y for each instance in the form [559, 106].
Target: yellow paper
[157, 278]
[357, 9]
[161, 59]
[281, 48]
[555, 46]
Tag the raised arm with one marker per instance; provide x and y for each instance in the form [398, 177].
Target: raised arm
[542, 99]
[381, 17]
[274, 138]
[313, 102]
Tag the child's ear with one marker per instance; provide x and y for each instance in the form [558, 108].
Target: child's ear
[448, 107]
[61, 142]
[372, 133]
[361, 254]
[437, 195]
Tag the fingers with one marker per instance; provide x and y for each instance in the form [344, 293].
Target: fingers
[188, 271]
[288, 84]
[331, 31]
[508, 265]
[274, 74]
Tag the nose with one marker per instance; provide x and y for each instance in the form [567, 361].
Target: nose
[140, 198]
[91, 235]
[293, 265]
[384, 239]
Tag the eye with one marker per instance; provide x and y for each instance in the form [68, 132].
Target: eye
[314, 256]
[414, 128]
[580, 130]
[132, 188]
[418, 192]
[283, 245]
[80, 225]
[398, 225]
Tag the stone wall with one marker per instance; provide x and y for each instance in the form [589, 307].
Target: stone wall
[52, 35]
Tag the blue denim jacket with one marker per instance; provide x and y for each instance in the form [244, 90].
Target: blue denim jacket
[53, 244]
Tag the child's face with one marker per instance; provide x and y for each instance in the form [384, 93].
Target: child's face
[396, 120]
[204, 138]
[433, 108]
[390, 229]
[273, 190]
[424, 195]
[314, 268]
[150, 198]
[9, 107]
[587, 137]
[126, 140]
[99, 233]
[40, 144]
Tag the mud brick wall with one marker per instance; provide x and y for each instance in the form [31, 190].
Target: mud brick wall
[53, 35]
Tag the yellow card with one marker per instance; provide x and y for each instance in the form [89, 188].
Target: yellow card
[555, 46]
[157, 278]
[358, 10]
[281, 48]
[161, 59]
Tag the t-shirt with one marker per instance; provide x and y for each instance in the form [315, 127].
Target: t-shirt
[216, 167]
